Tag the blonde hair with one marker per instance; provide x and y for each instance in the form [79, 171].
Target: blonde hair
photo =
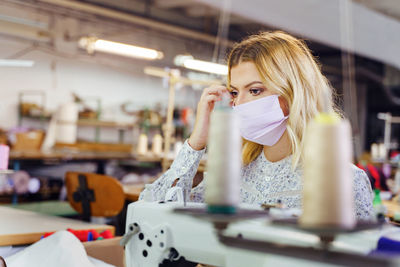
[287, 67]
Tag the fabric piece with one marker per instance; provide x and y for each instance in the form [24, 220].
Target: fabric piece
[388, 244]
[8, 251]
[61, 249]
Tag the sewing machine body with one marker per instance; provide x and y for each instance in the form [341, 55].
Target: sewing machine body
[164, 233]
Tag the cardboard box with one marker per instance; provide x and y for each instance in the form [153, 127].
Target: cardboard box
[107, 250]
[31, 140]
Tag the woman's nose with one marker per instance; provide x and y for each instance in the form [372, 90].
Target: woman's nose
[239, 100]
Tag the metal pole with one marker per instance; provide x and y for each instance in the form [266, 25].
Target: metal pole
[387, 134]
[169, 124]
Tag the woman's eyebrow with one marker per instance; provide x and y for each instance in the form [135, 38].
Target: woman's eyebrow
[247, 85]
[250, 84]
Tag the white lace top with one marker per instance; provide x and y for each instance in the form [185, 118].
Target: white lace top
[263, 182]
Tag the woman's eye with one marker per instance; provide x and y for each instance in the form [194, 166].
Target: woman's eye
[255, 91]
[233, 93]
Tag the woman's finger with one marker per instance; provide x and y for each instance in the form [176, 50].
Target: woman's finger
[216, 90]
[212, 98]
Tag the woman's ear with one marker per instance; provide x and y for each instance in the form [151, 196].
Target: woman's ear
[284, 105]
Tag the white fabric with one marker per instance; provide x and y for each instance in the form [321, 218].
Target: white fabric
[99, 263]
[62, 249]
[8, 251]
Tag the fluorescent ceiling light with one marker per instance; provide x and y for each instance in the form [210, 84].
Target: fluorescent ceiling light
[93, 44]
[200, 65]
[175, 73]
[16, 63]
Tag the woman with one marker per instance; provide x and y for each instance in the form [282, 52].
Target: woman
[276, 73]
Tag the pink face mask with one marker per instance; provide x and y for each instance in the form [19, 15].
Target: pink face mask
[262, 121]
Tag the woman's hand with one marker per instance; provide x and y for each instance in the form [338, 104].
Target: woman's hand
[212, 94]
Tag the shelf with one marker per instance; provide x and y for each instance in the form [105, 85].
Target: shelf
[99, 123]
[88, 122]
[82, 152]
[63, 154]
[6, 171]
[391, 162]
[94, 147]
[37, 117]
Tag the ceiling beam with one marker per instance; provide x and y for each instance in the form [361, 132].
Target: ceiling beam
[173, 3]
[24, 31]
[122, 16]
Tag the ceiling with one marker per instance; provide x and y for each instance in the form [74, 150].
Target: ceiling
[192, 20]
[203, 17]
[199, 17]
[184, 13]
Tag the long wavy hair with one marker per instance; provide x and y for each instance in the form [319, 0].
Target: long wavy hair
[288, 68]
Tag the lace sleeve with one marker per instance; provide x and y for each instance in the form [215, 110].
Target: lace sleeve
[184, 168]
[197, 193]
[362, 195]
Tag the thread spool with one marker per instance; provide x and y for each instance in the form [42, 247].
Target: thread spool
[142, 144]
[222, 193]
[4, 153]
[382, 151]
[156, 147]
[21, 182]
[66, 124]
[374, 151]
[328, 179]
[33, 185]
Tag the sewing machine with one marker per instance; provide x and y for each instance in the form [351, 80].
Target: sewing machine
[158, 234]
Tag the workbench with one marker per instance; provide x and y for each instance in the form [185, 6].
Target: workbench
[20, 227]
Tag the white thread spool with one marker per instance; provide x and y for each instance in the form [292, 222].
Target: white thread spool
[382, 151]
[328, 179]
[142, 144]
[156, 147]
[374, 151]
[222, 192]
[66, 130]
